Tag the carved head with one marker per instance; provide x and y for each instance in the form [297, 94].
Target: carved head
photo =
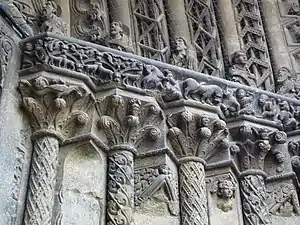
[263, 99]
[116, 28]
[204, 121]
[295, 28]
[284, 105]
[180, 44]
[240, 93]
[279, 157]
[238, 58]
[49, 9]
[226, 189]
[283, 74]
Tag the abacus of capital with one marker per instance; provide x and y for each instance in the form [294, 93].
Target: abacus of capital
[182, 112]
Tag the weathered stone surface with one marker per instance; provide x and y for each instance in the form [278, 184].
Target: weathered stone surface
[138, 127]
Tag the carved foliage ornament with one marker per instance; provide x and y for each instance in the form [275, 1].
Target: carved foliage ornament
[255, 143]
[129, 121]
[195, 135]
[55, 106]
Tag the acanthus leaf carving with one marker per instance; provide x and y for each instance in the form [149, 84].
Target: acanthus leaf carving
[195, 135]
[56, 106]
[129, 121]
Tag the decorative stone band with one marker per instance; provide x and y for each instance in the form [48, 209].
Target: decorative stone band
[192, 187]
[104, 68]
[120, 186]
[253, 193]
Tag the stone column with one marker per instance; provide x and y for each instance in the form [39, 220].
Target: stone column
[276, 35]
[228, 24]
[54, 112]
[120, 191]
[192, 189]
[177, 20]
[41, 189]
[120, 11]
[253, 193]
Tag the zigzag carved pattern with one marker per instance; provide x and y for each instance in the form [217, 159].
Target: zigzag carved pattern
[42, 181]
[205, 37]
[151, 30]
[193, 194]
[253, 41]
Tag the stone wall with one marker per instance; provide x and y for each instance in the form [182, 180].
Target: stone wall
[149, 112]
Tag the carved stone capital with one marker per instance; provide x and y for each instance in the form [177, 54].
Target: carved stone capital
[255, 143]
[130, 121]
[55, 107]
[196, 135]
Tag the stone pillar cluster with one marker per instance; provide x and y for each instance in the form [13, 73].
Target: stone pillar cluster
[182, 112]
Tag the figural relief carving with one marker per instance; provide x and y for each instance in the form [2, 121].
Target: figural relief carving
[117, 38]
[150, 182]
[50, 19]
[239, 72]
[182, 55]
[224, 187]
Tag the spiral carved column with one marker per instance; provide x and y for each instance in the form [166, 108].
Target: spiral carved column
[253, 193]
[120, 191]
[41, 190]
[193, 200]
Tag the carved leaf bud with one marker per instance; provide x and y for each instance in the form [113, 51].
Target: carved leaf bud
[280, 137]
[82, 118]
[205, 132]
[60, 103]
[154, 110]
[132, 121]
[154, 133]
[186, 116]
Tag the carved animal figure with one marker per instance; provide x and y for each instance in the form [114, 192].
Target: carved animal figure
[206, 91]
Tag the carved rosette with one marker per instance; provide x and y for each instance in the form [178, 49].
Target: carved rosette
[55, 110]
[192, 188]
[253, 192]
[120, 191]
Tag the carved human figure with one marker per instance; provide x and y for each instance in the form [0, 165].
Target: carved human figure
[238, 72]
[229, 106]
[285, 83]
[268, 107]
[169, 87]
[286, 116]
[117, 39]
[17, 16]
[295, 31]
[245, 102]
[181, 56]
[293, 7]
[51, 21]
[226, 191]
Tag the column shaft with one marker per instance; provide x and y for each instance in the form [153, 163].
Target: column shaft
[193, 198]
[120, 11]
[276, 35]
[41, 190]
[253, 193]
[177, 20]
[120, 191]
[228, 26]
